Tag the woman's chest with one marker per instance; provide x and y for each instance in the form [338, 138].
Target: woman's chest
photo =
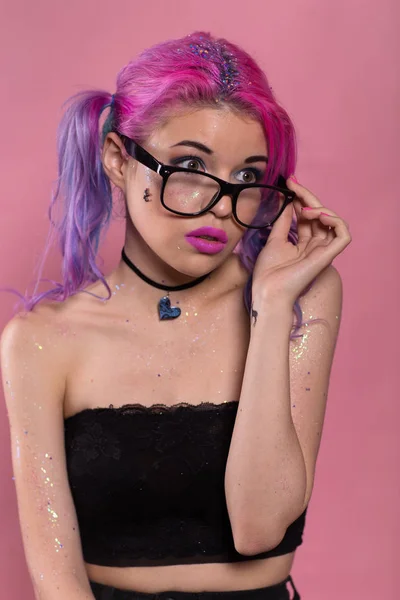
[199, 359]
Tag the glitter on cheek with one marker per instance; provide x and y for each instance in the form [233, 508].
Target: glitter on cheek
[39, 346]
[148, 175]
[186, 197]
[58, 545]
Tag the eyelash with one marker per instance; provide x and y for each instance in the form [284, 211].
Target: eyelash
[256, 172]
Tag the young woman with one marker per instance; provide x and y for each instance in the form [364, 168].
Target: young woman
[165, 435]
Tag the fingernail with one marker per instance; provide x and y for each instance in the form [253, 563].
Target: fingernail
[306, 208]
[326, 214]
[293, 178]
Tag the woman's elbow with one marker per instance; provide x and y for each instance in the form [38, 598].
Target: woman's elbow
[250, 544]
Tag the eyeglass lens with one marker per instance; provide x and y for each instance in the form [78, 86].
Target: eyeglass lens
[190, 193]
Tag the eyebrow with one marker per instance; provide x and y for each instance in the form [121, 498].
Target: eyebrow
[203, 148]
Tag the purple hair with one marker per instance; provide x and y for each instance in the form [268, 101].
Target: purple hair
[197, 71]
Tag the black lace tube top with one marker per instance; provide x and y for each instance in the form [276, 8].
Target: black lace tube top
[148, 485]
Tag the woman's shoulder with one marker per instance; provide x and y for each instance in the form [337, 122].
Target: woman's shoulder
[33, 361]
[44, 325]
[26, 322]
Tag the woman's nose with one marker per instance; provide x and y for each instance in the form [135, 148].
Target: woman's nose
[223, 208]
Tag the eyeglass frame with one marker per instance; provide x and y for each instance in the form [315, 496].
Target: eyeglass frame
[226, 189]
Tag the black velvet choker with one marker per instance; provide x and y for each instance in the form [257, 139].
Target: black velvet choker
[165, 310]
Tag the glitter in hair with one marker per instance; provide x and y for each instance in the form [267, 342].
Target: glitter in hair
[219, 54]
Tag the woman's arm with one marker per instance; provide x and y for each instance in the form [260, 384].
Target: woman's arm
[275, 442]
[33, 374]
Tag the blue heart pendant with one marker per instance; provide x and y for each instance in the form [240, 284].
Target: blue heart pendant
[166, 311]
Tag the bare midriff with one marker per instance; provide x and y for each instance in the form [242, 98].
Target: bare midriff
[217, 577]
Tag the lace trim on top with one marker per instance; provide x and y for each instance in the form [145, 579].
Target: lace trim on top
[159, 408]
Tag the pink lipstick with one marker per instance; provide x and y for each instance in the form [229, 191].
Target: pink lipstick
[207, 239]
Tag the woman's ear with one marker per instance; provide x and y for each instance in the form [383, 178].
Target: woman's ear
[114, 161]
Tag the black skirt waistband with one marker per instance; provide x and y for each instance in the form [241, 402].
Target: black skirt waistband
[278, 591]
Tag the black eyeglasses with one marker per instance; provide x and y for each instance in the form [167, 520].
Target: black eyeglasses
[190, 193]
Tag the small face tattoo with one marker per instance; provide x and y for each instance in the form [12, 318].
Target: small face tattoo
[254, 315]
[146, 195]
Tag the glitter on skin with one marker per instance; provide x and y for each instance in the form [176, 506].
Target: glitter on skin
[47, 479]
[39, 346]
[53, 514]
[184, 200]
[59, 545]
[8, 384]
[298, 350]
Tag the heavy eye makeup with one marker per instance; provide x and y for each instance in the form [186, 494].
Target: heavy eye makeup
[197, 164]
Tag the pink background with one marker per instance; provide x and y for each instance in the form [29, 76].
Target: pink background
[334, 66]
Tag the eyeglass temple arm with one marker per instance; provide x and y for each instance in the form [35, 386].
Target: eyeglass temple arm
[282, 183]
[140, 153]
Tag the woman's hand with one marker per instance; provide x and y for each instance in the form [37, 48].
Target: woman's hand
[282, 270]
